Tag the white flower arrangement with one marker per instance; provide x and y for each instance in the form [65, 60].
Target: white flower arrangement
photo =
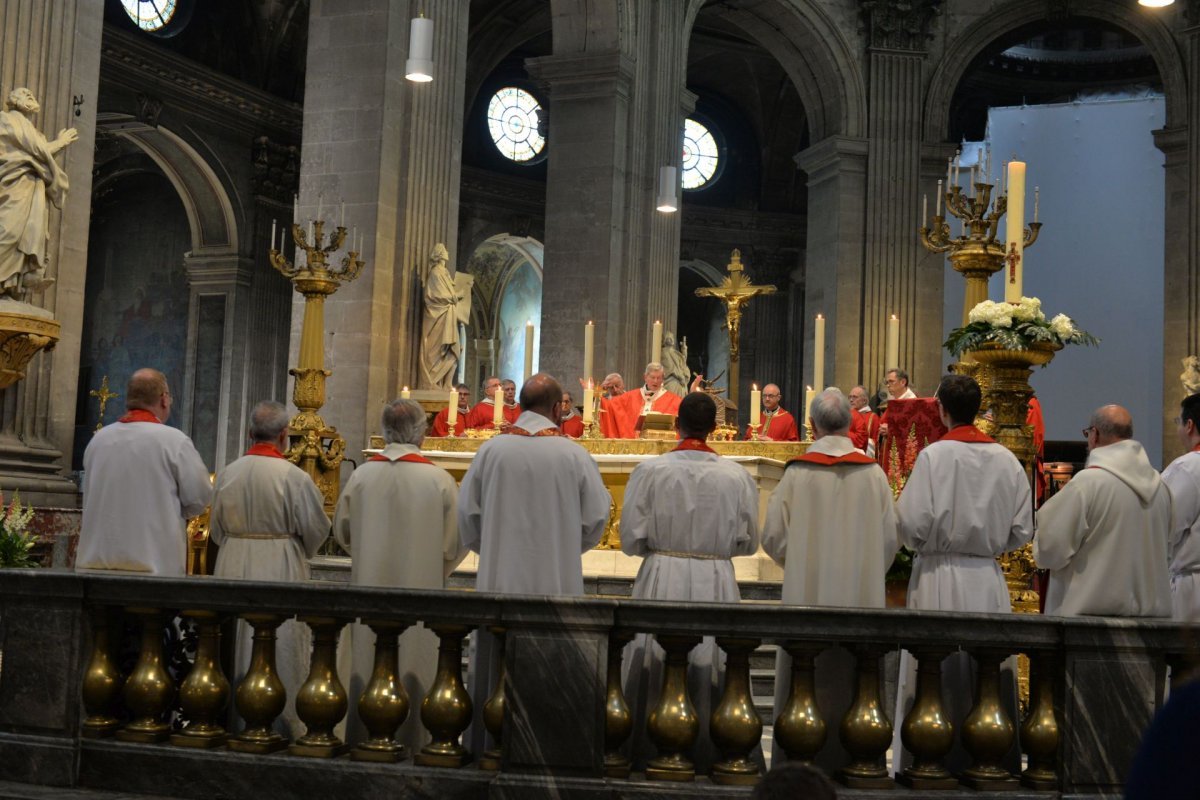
[1015, 326]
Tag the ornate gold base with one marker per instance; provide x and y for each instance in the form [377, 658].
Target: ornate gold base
[379, 754]
[616, 766]
[318, 750]
[21, 337]
[742, 772]
[144, 735]
[922, 784]
[881, 781]
[258, 746]
[101, 728]
[459, 759]
[200, 741]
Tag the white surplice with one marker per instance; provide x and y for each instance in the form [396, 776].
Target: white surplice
[964, 504]
[687, 513]
[1182, 477]
[141, 482]
[833, 530]
[397, 520]
[258, 497]
[1103, 537]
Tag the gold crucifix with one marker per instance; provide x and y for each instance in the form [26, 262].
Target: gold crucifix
[105, 395]
[735, 291]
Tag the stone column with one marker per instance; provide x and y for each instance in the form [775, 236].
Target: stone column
[392, 150]
[54, 50]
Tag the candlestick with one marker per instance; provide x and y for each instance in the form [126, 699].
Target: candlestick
[452, 414]
[1014, 239]
[937, 207]
[405, 394]
[589, 400]
[809, 394]
[819, 352]
[755, 407]
[319, 206]
[1037, 197]
[342, 220]
[295, 209]
[891, 351]
[589, 350]
[528, 350]
[656, 343]
[498, 406]
[949, 169]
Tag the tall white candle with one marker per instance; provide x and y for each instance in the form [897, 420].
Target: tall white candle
[273, 233]
[405, 394]
[295, 209]
[937, 209]
[319, 207]
[528, 349]
[589, 399]
[819, 353]
[589, 351]
[891, 351]
[498, 406]
[1014, 238]
[452, 414]
[656, 343]
[925, 211]
[755, 406]
[809, 394]
[342, 221]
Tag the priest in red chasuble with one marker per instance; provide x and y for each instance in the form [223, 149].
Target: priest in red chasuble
[621, 417]
[571, 424]
[777, 424]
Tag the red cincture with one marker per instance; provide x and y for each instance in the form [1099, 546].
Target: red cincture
[515, 431]
[694, 444]
[264, 449]
[1196, 449]
[412, 458]
[823, 460]
[966, 433]
[139, 415]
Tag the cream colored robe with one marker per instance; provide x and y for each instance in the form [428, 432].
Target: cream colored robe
[258, 495]
[1182, 477]
[1104, 538]
[397, 521]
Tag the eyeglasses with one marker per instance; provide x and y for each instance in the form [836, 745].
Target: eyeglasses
[776, 394]
[1088, 430]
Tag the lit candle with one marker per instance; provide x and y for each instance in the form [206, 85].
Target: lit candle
[589, 351]
[819, 353]
[273, 232]
[589, 399]
[809, 394]
[405, 394]
[891, 352]
[528, 349]
[656, 343]
[937, 207]
[452, 414]
[1014, 239]
[755, 407]
[498, 406]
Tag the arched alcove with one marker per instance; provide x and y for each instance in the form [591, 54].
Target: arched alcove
[507, 292]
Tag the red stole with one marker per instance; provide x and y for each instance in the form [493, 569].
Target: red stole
[825, 460]
[264, 449]
[515, 431]
[694, 445]
[411, 458]
[139, 415]
[966, 433]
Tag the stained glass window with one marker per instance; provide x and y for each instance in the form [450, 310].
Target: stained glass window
[150, 15]
[700, 155]
[513, 116]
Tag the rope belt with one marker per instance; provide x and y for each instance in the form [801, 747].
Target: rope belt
[697, 556]
[258, 535]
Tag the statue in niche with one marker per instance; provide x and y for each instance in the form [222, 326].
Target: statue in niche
[439, 327]
[676, 375]
[1190, 378]
[29, 179]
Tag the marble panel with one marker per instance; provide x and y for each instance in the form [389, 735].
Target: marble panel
[43, 760]
[40, 644]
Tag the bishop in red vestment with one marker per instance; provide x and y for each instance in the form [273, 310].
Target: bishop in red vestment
[620, 417]
[441, 420]
[777, 425]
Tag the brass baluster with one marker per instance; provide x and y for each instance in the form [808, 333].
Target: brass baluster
[205, 691]
[1040, 731]
[799, 728]
[673, 724]
[988, 732]
[866, 731]
[261, 696]
[383, 705]
[101, 679]
[446, 710]
[493, 710]
[926, 732]
[321, 702]
[618, 721]
[148, 691]
[735, 726]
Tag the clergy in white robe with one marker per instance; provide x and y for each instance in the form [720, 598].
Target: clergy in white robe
[397, 520]
[268, 518]
[142, 480]
[687, 513]
[966, 502]
[1182, 477]
[831, 525]
[531, 503]
[1103, 536]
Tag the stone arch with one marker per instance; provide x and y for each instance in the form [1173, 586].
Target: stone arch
[710, 274]
[965, 47]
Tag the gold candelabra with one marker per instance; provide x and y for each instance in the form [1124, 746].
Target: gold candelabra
[316, 448]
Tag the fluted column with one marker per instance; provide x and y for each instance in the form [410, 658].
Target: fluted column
[54, 50]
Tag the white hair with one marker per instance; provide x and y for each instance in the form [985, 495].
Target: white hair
[403, 422]
[830, 412]
[654, 366]
[267, 421]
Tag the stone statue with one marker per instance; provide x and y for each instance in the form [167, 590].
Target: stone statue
[439, 327]
[29, 178]
[1190, 378]
[676, 375]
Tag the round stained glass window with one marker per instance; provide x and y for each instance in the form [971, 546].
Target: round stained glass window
[150, 15]
[700, 155]
[513, 117]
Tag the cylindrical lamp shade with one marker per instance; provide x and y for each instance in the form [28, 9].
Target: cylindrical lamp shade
[419, 67]
[667, 183]
[1156, 3]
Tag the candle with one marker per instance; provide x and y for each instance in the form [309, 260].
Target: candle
[589, 400]
[1014, 239]
[1004, 177]
[282, 236]
[273, 232]
[891, 352]
[528, 349]
[589, 351]
[498, 406]
[819, 353]
[949, 169]
[342, 222]
[925, 211]
[319, 207]
[452, 414]
[809, 394]
[405, 394]
[937, 208]
[656, 343]
[295, 209]
[1037, 198]
[755, 407]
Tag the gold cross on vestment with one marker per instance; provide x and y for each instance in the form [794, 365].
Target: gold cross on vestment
[105, 395]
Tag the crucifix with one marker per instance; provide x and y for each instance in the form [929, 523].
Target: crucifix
[104, 395]
[735, 291]
[1013, 258]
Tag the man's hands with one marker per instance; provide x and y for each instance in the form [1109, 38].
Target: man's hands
[695, 387]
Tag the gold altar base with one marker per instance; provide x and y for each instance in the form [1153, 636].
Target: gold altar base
[21, 337]
[1006, 375]
[779, 451]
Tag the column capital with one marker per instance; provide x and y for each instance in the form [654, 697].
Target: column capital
[217, 272]
[1173, 142]
[903, 25]
[828, 157]
[579, 77]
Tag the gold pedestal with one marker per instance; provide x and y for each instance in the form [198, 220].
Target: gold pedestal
[21, 337]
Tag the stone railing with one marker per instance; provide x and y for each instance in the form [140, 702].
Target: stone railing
[558, 713]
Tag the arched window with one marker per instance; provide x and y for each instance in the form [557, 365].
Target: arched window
[150, 15]
[513, 117]
[700, 155]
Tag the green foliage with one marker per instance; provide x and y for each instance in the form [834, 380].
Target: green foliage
[1018, 336]
[16, 546]
[901, 568]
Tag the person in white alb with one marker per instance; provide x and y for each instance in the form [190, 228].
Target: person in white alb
[142, 480]
[397, 520]
[831, 525]
[687, 514]
[268, 518]
[1103, 536]
[966, 502]
[1182, 477]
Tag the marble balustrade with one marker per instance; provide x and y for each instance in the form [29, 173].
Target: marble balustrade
[70, 714]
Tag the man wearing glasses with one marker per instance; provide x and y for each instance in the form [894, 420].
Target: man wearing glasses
[777, 424]
[1183, 541]
[1104, 535]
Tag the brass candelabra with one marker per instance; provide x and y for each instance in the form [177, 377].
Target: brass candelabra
[316, 447]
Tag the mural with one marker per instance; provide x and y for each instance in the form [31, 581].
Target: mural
[521, 302]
